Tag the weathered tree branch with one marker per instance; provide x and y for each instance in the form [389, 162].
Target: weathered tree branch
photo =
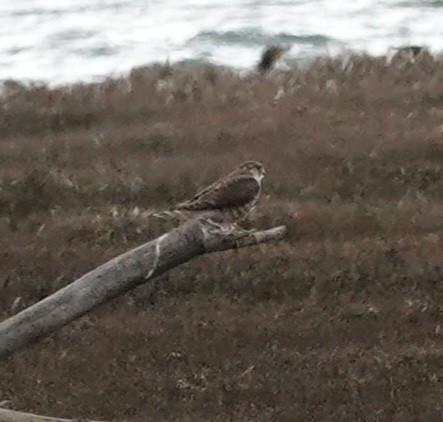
[120, 275]
[7, 415]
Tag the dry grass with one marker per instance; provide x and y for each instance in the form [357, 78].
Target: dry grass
[343, 321]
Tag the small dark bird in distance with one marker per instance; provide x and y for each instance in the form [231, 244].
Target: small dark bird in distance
[269, 57]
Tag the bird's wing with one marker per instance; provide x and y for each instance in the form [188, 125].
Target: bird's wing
[229, 193]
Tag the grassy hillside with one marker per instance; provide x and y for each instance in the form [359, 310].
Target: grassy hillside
[342, 321]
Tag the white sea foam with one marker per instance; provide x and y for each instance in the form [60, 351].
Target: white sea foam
[71, 40]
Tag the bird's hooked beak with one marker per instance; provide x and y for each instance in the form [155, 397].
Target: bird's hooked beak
[262, 174]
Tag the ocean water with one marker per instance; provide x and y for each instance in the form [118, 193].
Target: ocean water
[59, 41]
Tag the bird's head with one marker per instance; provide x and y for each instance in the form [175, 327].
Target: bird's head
[255, 168]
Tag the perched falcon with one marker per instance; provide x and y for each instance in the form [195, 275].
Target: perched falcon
[226, 202]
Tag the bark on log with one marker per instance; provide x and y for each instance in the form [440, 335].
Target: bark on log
[120, 275]
[7, 415]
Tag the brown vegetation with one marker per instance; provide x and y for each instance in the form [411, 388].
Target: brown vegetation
[343, 321]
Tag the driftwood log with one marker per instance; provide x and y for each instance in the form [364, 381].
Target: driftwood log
[7, 415]
[120, 275]
[112, 279]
